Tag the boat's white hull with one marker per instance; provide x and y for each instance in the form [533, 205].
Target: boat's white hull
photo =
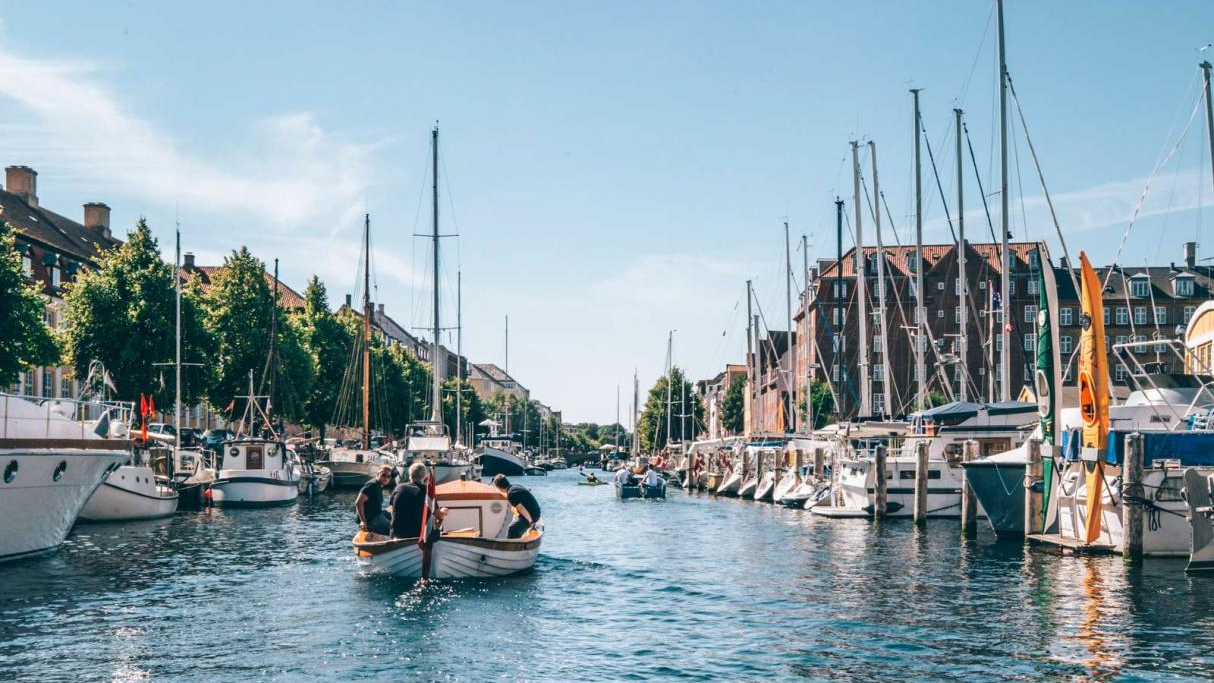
[254, 488]
[730, 486]
[455, 558]
[130, 493]
[857, 487]
[36, 510]
[765, 487]
[747, 489]
[784, 488]
[1166, 531]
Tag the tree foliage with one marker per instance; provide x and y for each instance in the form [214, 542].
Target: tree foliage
[652, 425]
[473, 413]
[25, 340]
[329, 344]
[733, 407]
[823, 404]
[124, 315]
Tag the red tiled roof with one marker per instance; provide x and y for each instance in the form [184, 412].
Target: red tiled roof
[290, 298]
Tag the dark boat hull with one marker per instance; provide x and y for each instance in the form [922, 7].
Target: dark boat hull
[999, 488]
[492, 466]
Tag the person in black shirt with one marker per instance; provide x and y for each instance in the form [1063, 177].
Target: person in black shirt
[525, 506]
[370, 503]
[407, 502]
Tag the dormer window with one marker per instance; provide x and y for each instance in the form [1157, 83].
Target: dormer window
[912, 262]
[1182, 285]
[1140, 285]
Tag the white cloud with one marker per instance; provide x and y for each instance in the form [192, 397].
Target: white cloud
[291, 170]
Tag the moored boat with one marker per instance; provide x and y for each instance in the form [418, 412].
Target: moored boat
[131, 493]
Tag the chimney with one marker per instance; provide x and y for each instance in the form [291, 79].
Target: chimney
[1190, 254]
[97, 217]
[381, 309]
[348, 301]
[187, 261]
[23, 182]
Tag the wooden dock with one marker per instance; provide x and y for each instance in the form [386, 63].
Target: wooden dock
[1072, 546]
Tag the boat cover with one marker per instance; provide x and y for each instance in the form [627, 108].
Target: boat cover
[1192, 449]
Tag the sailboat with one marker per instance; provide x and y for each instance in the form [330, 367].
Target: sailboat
[353, 467]
[428, 441]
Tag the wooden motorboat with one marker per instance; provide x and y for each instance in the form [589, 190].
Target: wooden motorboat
[479, 517]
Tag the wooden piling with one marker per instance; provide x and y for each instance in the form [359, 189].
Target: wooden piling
[1132, 493]
[969, 503]
[880, 500]
[1033, 474]
[819, 463]
[920, 510]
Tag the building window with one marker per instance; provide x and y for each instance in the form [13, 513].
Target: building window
[1188, 313]
[1028, 373]
[1120, 339]
[1030, 314]
[982, 284]
[1161, 315]
[1066, 373]
[834, 373]
[940, 313]
[54, 270]
[838, 341]
[1011, 283]
[1106, 343]
[837, 317]
[879, 404]
[1123, 315]
[1141, 348]
[1033, 285]
[957, 286]
[27, 264]
[957, 315]
[1034, 258]
[1119, 374]
[1064, 344]
[1140, 315]
[27, 383]
[958, 372]
[1184, 286]
[912, 262]
[1064, 315]
[877, 344]
[940, 286]
[999, 344]
[1106, 317]
[981, 372]
[1030, 341]
[48, 383]
[1140, 286]
[840, 289]
[878, 372]
[999, 316]
[982, 313]
[65, 387]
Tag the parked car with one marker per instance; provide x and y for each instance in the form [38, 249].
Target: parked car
[191, 436]
[162, 431]
[212, 439]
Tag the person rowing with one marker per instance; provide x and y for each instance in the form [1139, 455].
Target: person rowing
[591, 478]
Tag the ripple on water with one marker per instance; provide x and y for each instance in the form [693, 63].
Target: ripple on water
[690, 589]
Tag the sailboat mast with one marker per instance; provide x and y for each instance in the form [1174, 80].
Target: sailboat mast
[1205, 69]
[367, 331]
[1005, 356]
[962, 273]
[809, 370]
[617, 418]
[669, 384]
[459, 359]
[273, 374]
[177, 343]
[866, 390]
[752, 392]
[790, 371]
[837, 336]
[920, 313]
[883, 331]
[636, 423]
[436, 366]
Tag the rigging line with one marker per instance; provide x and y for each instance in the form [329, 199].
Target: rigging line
[977, 55]
[421, 193]
[1147, 188]
[1041, 176]
[442, 160]
[932, 158]
[986, 208]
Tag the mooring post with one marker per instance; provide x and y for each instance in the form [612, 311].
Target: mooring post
[819, 463]
[969, 504]
[1132, 494]
[880, 499]
[920, 511]
[1033, 474]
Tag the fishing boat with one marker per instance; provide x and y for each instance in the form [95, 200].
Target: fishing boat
[51, 462]
[475, 545]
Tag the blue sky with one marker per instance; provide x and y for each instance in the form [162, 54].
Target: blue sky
[616, 169]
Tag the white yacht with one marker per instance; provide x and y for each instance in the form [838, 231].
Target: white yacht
[52, 459]
[130, 493]
[995, 426]
[429, 444]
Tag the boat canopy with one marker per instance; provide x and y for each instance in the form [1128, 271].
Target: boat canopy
[422, 444]
[959, 411]
[1192, 449]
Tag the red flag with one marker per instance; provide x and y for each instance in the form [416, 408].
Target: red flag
[151, 405]
[143, 417]
[143, 405]
[231, 406]
[428, 510]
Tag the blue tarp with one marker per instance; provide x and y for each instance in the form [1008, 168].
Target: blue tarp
[1192, 449]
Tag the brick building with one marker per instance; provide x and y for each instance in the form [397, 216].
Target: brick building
[53, 250]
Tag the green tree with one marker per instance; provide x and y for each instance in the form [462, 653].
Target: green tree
[473, 411]
[239, 313]
[652, 424]
[329, 343]
[25, 340]
[823, 404]
[733, 407]
[124, 315]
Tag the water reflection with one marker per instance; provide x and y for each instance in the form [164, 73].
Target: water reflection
[691, 588]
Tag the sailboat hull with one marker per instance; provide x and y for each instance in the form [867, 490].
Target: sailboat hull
[494, 462]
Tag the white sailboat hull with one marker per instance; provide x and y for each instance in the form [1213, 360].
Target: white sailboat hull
[730, 486]
[37, 509]
[255, 488]
[130, 493]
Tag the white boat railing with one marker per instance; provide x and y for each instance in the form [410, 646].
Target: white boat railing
[1143, 377]
[28, 417]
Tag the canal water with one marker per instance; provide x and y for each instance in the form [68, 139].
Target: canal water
[690, 588]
